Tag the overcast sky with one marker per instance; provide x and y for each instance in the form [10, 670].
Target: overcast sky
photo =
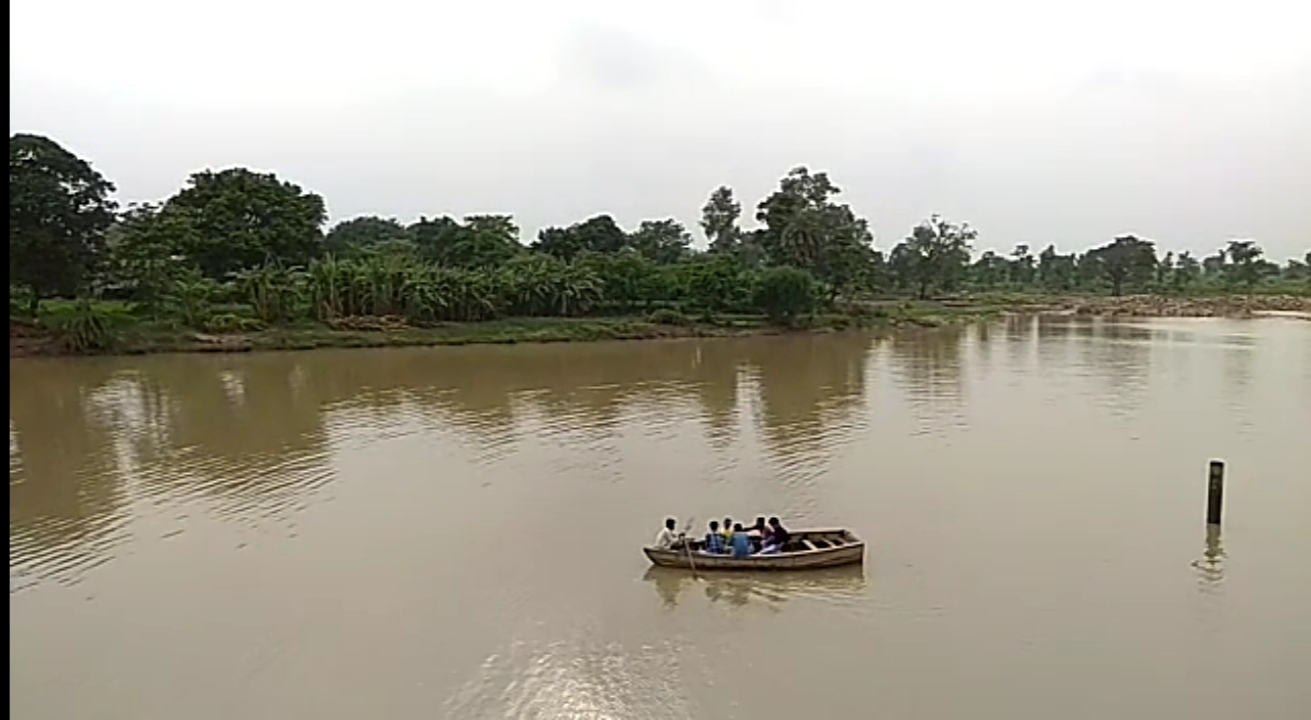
[1188, 122]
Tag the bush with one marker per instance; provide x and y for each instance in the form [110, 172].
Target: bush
[85, 330]
[665, 316]
[784, 293]
[231, 323]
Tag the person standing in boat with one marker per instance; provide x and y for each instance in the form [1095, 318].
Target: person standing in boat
[666, 538]
[778, 537]
[741, 542]
[715, 544]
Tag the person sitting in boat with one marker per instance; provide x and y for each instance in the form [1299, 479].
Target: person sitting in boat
[667, 538]
[778, 537]
[741, 541]
[715, 544]
[761, 531]
[727, 530]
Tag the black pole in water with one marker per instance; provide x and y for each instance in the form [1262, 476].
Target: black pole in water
[1215, 492]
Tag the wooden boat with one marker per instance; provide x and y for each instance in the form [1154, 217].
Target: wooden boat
[808, 550]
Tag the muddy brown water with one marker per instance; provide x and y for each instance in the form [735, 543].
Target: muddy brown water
[422, 533]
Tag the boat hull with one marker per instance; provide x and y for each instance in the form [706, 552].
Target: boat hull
[814, 549]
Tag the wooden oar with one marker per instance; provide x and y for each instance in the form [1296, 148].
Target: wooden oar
[688, 546]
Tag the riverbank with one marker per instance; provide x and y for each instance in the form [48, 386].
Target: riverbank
[1228, 306]
[28, 339]
[124, 334]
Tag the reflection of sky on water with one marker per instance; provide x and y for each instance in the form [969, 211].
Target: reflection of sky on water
[455, 531]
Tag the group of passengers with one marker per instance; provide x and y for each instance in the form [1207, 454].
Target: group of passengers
[762, 538]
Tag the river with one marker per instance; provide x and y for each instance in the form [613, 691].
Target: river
[456, 532]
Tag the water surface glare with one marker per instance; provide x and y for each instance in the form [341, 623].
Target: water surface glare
[456, 532]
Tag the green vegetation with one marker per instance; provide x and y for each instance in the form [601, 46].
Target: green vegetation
[243, 255]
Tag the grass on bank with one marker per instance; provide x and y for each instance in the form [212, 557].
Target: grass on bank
[106, 326]
[113, 327]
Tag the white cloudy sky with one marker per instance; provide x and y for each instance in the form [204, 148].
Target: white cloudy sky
[1036, 121]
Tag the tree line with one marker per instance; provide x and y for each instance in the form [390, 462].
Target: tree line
[240, 236]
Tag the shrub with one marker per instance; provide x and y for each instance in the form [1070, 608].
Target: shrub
[784, 293]
[665, 316]
[87, 329]
[231, 323]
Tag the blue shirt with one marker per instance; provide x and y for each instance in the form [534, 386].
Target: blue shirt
[714, 543]
[741, 545]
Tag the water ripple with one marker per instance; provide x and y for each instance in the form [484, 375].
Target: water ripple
[579, 679]
[247, 490]
[62, 546]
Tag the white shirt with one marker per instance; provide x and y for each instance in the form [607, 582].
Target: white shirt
[665, 539]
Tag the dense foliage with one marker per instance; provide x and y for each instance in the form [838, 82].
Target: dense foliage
[240, 236]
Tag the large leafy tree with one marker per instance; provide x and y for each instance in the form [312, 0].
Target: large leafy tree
[661, 241]
[1127, 259]
[363, 233]
[243, 219]
[1217, 265]
[628, 280]
[1165, 270]
[1056, 271]
[805, 228]
[436, 238]
[1187, 270]
[715, 282]
[596, 234]
[1245, 264]
[143, 249]
[59, 211]
[601, 234]
[557, 242]
[719, 220]
[480, 241]
[1022, 266]
[934, 256]
[989, 271]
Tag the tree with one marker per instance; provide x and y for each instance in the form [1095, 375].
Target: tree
[876, 278]
[243, 219]
[363, 233]
[1165, 269]
[598, 234]
[1022, 266]
[661, 241]
[719, 220]
[601, 233]
[481, 241]
[1295, 270]
[1245, 262]
[1216, 265]
[490, 240]
[557, 242]
[143, 252]
[436, 239]
[989, 271]
[1056, 271]
[785, 292]
[627, 279]
[59, 211]
[934, 256]
[715, 282]
[1187, 270]
[1299, 270]
[1127, 258]
[804, 228]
